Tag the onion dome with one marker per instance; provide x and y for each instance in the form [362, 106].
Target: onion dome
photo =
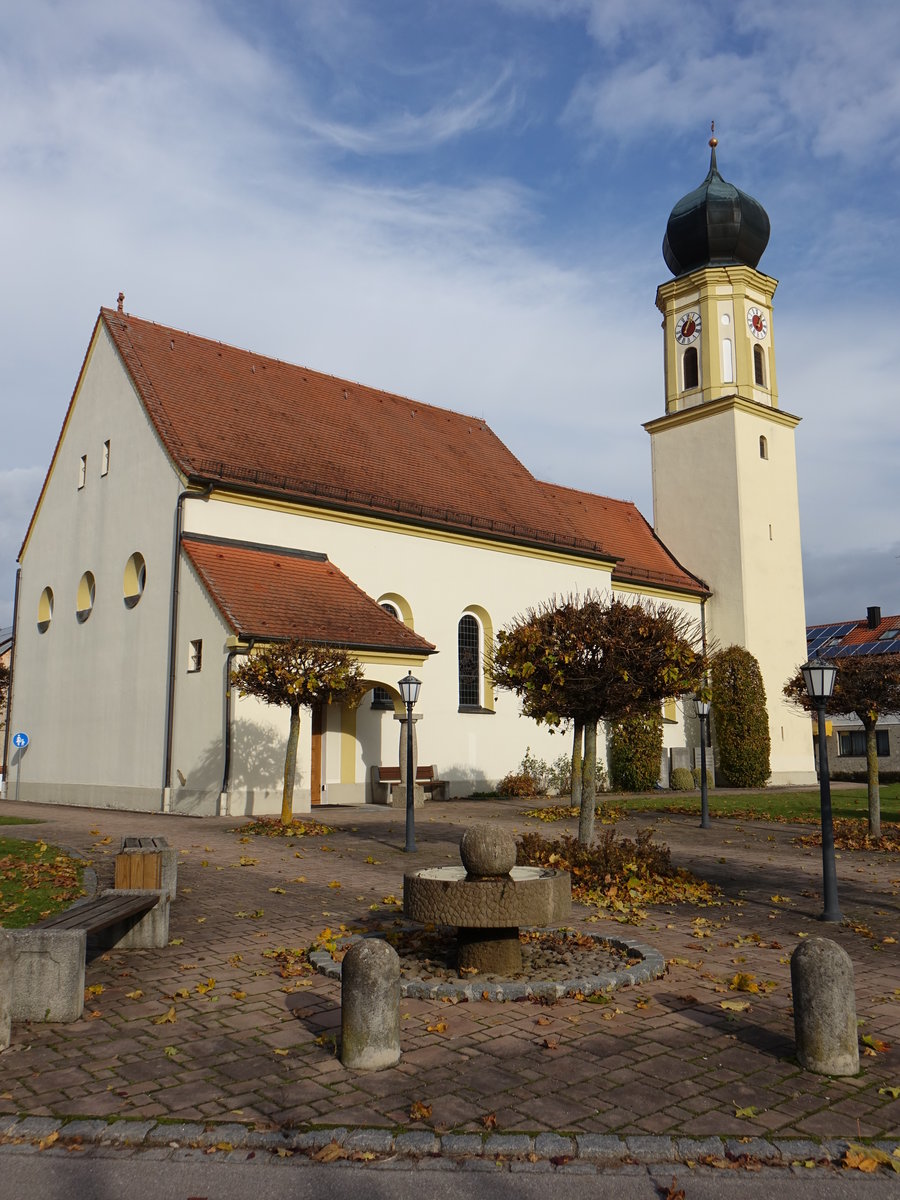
[716, 225]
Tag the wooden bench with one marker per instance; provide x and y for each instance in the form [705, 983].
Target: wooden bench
[386, 787]
[49, 958]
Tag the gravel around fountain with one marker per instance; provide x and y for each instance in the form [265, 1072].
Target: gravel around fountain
[556, 963]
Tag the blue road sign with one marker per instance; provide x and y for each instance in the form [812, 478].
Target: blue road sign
[20, 740]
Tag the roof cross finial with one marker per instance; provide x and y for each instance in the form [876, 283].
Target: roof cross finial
[713, 142]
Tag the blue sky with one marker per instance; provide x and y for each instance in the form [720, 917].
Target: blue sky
[463, 202]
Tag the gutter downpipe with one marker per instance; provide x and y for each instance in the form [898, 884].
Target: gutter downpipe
[204, 493]
[226, 766]
[9, 690]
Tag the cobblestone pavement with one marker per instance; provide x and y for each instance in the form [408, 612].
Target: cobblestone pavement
[250, 1049]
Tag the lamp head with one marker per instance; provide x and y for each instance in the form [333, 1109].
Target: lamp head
[409, 689]
[818, 678]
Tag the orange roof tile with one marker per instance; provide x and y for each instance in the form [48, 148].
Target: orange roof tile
[230, 416]
[618, 523]
[269, 592]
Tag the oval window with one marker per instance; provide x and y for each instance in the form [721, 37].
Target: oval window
[85, 599]
[135, 579]
[45, 610]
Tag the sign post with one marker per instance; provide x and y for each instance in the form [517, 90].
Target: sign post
[20, 741]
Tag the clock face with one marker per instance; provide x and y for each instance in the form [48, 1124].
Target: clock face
[757, 322]
[687, 328]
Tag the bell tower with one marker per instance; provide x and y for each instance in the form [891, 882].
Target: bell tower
[724, 463]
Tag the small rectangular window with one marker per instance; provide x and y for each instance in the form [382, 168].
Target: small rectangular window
[104, 459]
[195, 657]
[82, 471]
[853, 744]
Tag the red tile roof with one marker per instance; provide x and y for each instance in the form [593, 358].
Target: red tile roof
[230, 416]
[268, 592]
[837, 638]
[618, 523]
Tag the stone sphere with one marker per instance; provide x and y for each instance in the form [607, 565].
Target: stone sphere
[487, 850]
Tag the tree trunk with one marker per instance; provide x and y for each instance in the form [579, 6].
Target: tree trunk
[578, 738]
[589, 785]
[872, 780]
[290, 767]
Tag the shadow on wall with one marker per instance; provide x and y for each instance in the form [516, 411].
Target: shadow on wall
[465, 779]
[257, 761]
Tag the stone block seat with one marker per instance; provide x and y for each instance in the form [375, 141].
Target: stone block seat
[48, 964]
[386, 787]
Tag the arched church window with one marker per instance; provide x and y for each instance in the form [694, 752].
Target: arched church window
[381, 697]
[763, 447]
[759, 366]
[469, 643]
[690, 368]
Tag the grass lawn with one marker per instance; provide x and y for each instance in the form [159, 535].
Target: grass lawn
[20, 821]
[36, 880]
[768, 806]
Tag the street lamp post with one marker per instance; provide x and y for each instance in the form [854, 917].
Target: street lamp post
[703, 707]
[818, 677]
[409, 691]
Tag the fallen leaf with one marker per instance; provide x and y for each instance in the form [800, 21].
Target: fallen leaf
[279, 891]
[437, 1027]
[281, 1053]
[330, 1153]
[166, 1018]
[893, 1092]
[674, 1192]
[745, 1114]
[238, 995]
[489, 1121]
[171, 1051]
[135, 995]
[44, 1143]
[735, 1005]
[419, 1111]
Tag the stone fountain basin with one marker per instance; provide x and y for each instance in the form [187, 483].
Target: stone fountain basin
[527, 896]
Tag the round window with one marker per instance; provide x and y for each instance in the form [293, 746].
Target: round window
[45, 610]
[135, 579]
[85, 599]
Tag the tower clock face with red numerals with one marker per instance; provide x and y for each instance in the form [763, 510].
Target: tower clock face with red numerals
[687, 328]
[757, 322]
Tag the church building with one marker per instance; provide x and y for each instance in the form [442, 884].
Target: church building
[204, 499]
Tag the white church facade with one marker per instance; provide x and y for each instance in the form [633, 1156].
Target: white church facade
[203, 499]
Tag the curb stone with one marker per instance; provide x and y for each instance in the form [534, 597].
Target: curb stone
[417, 1148]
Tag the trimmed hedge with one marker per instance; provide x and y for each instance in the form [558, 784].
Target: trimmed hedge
[682, 780]
[635, 749]
[741, 719]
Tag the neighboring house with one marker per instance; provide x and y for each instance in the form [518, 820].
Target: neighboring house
[845, 735]
[203, 498]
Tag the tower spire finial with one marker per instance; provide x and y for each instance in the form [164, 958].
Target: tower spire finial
[713, 142]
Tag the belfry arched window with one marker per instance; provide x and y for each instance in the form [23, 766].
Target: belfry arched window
[759, 366]
[763, 446]
[690, 368]
[469, 644]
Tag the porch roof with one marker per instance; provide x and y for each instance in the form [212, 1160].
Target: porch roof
[269, 592]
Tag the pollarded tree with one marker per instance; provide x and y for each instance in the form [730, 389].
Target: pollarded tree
[594, 658]
[867, 687]
[297, 675]
[742, 719]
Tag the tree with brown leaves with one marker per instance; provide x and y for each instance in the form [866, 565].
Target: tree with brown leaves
[595, 658]
[867, 687]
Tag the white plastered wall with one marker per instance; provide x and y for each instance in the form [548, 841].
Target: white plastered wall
[92, 695]
[734, 516]
[439, 578]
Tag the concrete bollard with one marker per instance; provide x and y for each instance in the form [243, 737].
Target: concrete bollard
[824, 1008]
[370, 1006]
